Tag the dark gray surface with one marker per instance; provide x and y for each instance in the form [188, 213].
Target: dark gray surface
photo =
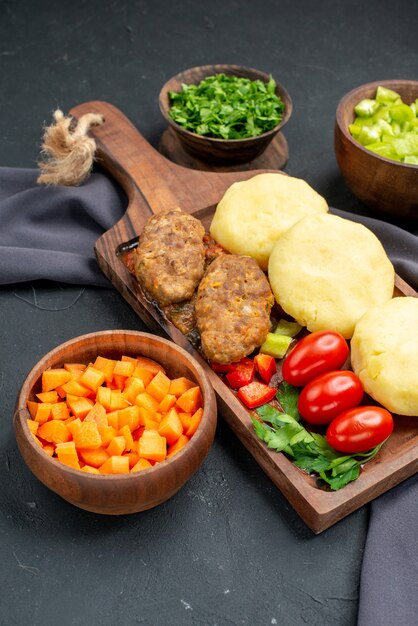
[228, 549]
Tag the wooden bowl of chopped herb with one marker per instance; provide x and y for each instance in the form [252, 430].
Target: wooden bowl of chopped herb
[376, 145]
[225, 113]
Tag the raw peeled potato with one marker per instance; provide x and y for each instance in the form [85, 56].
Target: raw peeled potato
[254, 213]
[384, 354]
[327, 271]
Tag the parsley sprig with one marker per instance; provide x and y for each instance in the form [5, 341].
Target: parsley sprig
[227, 107]
[309, 451]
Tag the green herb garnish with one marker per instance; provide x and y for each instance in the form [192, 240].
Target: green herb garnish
[308, 451]
[227, 107]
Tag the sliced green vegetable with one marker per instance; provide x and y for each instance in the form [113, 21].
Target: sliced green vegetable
[276, 345]
[387, 126]
[386, 95]
[366, 107]
[289, 329]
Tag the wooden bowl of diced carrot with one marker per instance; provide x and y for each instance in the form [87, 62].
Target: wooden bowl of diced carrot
[115, 422]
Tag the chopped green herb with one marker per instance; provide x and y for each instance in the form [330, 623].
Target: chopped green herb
[288, 397]
[227, 107]
[310, 452]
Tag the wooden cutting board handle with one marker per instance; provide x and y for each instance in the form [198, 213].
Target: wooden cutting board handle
[133, 162]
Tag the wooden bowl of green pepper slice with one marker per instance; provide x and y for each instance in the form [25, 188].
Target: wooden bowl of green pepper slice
[224, 113]
[376, 145]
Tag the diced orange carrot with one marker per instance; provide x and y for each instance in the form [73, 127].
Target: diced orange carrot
[141, 465]
[92, 378]
[116, 446]
[136, 436]
[54, 377]
[117, 401]
[67, 454]
[33, 426]
[146, 401]
[171, 427]
[133, 458]
[149, 364]
[80, 407]
[61, 392]
[151, 424]
[113, 419]
[107, 433]
[152, 446]
[87, 436]
[74, 367]
[90, 470]
[43, 414]
[124, 368]
[73, 426]
[145, 414]
[127, 435]
[104, 397]
[54, 431]
[75, 388]
[131, 359]
[179, 385]
[95, 458]
[130, 417]
[48, 396]
[143, 374]
[115, 465]
[106, 366]
[97, 414]
[180, 443]
[49, 448]
[32, 408]
[59, 411]
[195, 421]
[118, 382]
[167, 403]
[190, 400]
[159, 386]
[186, 420]
[133, 386]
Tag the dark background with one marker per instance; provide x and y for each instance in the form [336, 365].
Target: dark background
[228, 549]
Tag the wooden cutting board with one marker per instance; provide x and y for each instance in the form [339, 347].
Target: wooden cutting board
[153, 184]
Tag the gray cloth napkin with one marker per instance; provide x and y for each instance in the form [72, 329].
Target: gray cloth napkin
[49, 233]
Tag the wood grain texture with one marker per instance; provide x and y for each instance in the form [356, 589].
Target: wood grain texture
[274, 156]
[215, 150]
[127, 493]
[155, 183]
[383, 185]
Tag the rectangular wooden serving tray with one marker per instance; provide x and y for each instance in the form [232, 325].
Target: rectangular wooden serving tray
[153, 184]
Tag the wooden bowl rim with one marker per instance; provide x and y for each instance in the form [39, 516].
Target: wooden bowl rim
[342, 107]
[217, 68]
[21, 413]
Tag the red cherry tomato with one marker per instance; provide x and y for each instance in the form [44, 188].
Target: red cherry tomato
[359, 429]
[326, 396]
[321, 351]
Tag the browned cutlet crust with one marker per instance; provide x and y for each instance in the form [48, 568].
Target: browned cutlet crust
[170, 256]
[232, 309]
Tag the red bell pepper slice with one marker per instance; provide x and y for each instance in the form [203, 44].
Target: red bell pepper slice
[266, 366]
[223, 368]
[255, 394]
[242, 374]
